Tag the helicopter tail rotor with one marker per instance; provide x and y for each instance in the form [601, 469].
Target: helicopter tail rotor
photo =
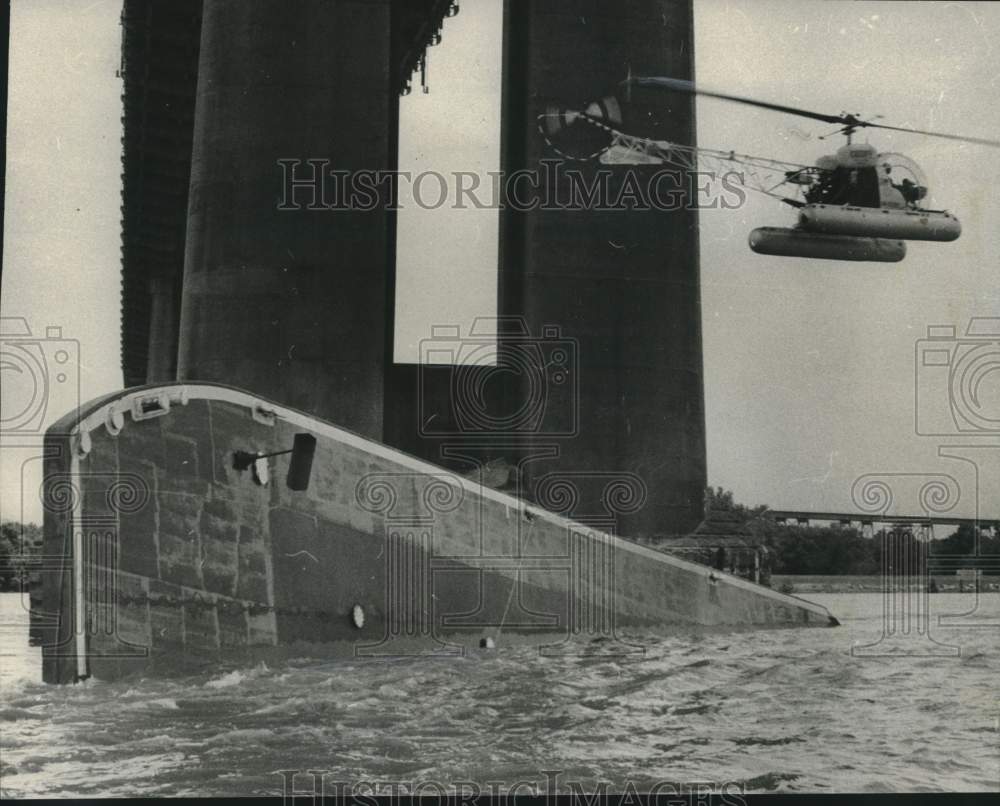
[559, 118]
[581, 134]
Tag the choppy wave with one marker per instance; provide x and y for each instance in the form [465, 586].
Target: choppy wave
[786, 710]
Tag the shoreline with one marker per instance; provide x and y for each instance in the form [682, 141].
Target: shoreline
[874, 583]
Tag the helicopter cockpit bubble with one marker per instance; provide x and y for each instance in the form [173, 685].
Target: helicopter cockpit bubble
[902, 183]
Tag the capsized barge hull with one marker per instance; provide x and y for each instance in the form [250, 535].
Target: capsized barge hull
[163, 554]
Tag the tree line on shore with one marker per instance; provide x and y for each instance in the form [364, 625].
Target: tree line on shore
[19, 544]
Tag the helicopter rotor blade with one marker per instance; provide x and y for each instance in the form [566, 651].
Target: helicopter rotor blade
[979, 140]
[661, 82]
[849, 121]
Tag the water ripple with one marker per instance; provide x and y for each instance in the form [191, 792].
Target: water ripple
[788, 710]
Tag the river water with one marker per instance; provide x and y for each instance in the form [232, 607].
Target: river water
[782, 710]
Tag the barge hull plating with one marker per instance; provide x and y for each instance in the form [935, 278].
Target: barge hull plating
[172, 556]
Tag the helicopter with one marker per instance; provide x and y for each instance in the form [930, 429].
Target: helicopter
[855, 204]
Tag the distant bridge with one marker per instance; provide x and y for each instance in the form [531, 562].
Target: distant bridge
[867, 520]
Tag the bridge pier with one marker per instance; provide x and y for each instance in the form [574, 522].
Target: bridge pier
[281, 296]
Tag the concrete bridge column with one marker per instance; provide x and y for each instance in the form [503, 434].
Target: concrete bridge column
[622, 285]
[161, 364]
[290, 300]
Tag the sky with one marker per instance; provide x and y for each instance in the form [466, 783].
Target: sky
[446, 272]
[809, 365]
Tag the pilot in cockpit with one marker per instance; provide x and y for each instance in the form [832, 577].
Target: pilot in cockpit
[908, 189]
